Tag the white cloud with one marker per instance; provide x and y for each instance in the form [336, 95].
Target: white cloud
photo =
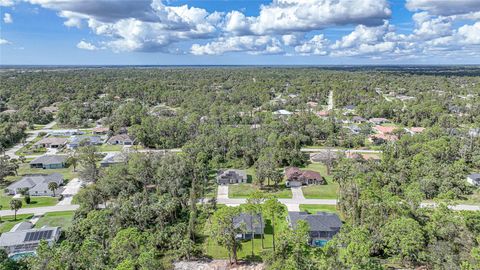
[317, 45]
[249, 44]
[444, 7]
[7, 18]
[286, 16]
[363, 35]
[7, 3]
[4, 42]
[428, 27]
[86, 46]
[470, 34]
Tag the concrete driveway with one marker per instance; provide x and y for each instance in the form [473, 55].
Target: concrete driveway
[222, 192]
[72, 188]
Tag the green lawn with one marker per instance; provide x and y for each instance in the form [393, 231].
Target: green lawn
[109, 148]
[7, 222]
[35, 201]
[314, 208]
[244, 190]
[56, 219]
[328, 191]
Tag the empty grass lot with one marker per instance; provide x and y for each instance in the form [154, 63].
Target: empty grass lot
[56, 219]
[328, 191]
[7, 222]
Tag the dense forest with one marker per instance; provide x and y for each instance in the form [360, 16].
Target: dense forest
[150, 211]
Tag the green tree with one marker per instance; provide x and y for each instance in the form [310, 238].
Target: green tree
[404, 239]
[274, 210]
[52, 186]
[15, 205]
[224, 232]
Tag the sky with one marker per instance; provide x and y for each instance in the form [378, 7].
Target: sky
[239, 32]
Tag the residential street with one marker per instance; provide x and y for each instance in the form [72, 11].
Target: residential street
[41, 210]
[31, 136]
[298, 198]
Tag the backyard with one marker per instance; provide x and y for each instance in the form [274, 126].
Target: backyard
[216, 251]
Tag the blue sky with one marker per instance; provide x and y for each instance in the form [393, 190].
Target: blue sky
[224, 32]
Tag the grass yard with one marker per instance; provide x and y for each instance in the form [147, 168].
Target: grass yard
[314, 208]
[34, 201]
[244, 190]
[56, 219]
[109, 148]
[7, 222]
[328, 191]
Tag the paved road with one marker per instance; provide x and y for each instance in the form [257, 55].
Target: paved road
[31, 135]
[297, 199]
[330, 101]
[40, 210]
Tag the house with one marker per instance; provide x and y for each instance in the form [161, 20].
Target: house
[49, 109]
[100, 130]
[474, 179]
[112, 159]
[37, 185]
[65, 132]
[51, 142]
[474, 132]
[323, 226]
[282, 113]
[120, 139]
[22, 239]
[381, 138]
[231, 176]
[296, 177]
[358, 119]
[354, 129]
[76, 141]
[312, 104]
[324, 156]
[378, 121]
[49, 162]
[323, 114]
[415, 130]
[249, 224]
[384, 130]
[349, 109]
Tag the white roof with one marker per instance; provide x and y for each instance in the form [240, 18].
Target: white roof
[282, 112]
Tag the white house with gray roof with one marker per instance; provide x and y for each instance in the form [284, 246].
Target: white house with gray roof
[37, 185]
[23, 239]
[49, 162]
[323, 225]
[249, 224]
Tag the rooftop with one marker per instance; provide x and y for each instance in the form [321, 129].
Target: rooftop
[49, 159]
[321, 221]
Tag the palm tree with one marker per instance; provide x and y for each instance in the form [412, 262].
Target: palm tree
[15, 204]
[73, 160]
[53, 186]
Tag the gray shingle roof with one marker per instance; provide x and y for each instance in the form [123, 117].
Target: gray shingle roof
[49, 159]
[247, 220]
[31, 181]
[321, 221]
